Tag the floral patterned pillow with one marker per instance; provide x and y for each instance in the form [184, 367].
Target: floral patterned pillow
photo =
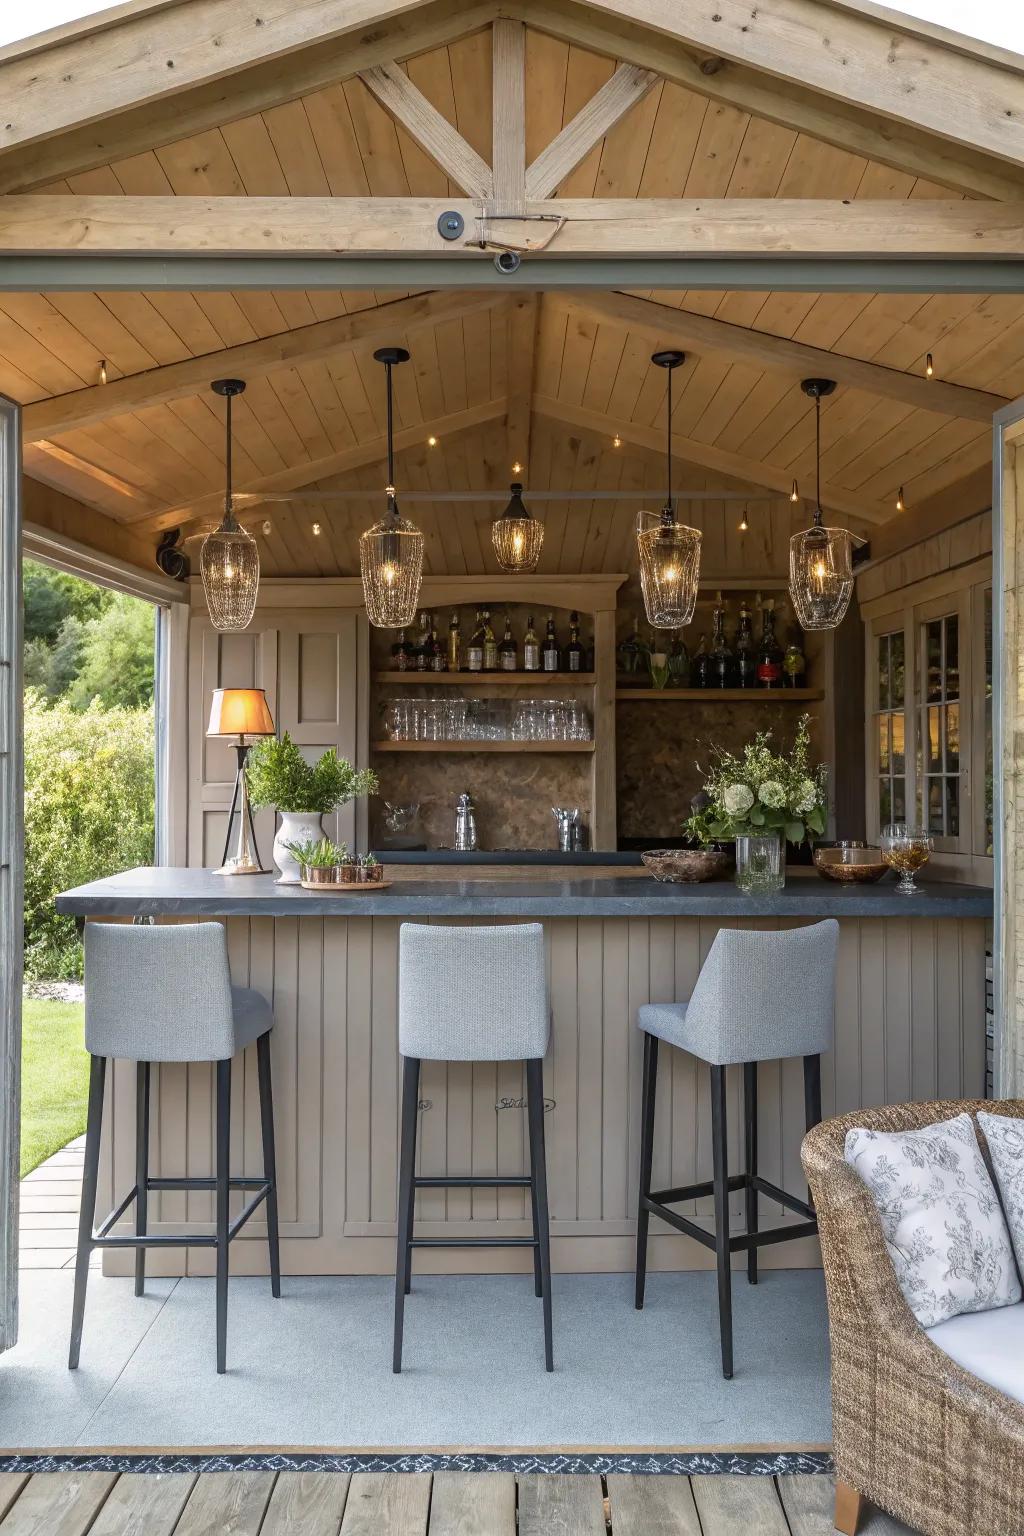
[940, 1216]
[1005, 1137]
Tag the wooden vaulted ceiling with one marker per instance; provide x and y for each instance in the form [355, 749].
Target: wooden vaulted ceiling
[550, 380]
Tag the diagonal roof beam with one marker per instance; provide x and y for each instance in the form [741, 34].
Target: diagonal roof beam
[664, 324]
[295, 476]
[628, 86]
[707, 456]
[422, 121]
[251, 359]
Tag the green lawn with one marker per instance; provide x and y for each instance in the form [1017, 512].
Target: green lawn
[54, 1079]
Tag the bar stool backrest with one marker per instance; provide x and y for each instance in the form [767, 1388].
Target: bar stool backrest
[762, 996]
[160, 993]
[473, 994]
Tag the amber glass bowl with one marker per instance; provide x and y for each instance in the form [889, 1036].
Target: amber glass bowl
[852, 866]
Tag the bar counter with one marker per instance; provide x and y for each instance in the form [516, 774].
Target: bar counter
[910, 1023]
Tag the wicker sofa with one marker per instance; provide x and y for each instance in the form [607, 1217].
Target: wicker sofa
[913, 1431]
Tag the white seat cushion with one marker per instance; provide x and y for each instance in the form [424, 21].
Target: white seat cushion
[988, 1344]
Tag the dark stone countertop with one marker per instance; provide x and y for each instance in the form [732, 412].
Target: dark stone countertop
[152, 892]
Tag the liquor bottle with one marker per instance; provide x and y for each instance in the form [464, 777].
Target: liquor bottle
[531, 648]
[700, 667]
[628, 654]
[769, 653]
[438, 654]
[794, 662]
[574, 651]
[746, 666]
[678, 662]
[475, 649]
[490, 644]
[399, 656]
[454, 644]
[508, 651]
[423, 644]
[721, 656]
[549, 655]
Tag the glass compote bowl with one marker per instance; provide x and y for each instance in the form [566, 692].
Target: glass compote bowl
[905, 849]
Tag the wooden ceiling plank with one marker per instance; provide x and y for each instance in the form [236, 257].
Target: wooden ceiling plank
[508, 134]
[443, 143]
[523, 326]
[664, 324]
[323, 339]
[628, 85]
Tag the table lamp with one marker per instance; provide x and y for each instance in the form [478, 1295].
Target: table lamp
[237, 715]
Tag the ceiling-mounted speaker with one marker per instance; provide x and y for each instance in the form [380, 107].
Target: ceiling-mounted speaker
[170, 558]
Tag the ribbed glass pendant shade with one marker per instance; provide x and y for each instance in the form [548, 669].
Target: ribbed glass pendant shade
[668, 551]
[230, 560]
[517, 535]
[391, 552]
[821, 576]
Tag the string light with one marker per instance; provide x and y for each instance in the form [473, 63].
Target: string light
[929, 367]
[267, 526]
[744, 525]
[901, 505]
[431, 441]
[616, 441]
[517, 468]
[794, 494]
[103, 370]
[316, 530]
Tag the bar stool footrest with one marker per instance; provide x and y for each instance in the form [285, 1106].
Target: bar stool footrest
[472, 1181]
[100, 1238]
[657, 1203]
[473, 1242]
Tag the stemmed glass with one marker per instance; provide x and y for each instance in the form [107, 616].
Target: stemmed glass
[906, 849]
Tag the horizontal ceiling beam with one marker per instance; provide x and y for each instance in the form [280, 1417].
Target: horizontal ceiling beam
[706, 456]
[664, 325]
[250, 359]
[188, 513]
[594, 227]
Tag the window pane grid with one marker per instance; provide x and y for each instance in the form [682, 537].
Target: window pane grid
[938, 755]
[890, 738]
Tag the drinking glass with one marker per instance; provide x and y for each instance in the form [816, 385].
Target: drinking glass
[760, 863]
[907, 849]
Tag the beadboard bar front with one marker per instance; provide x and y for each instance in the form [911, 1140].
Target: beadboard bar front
[910, 1024]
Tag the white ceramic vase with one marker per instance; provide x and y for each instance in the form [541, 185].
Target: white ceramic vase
[296, 827]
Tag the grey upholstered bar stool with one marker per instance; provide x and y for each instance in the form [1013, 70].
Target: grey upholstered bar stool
[165, 994]
[473, 994]
[759, 997]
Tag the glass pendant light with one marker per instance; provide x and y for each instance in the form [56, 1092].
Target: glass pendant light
[229, 559]
[669, 550]
[391, 552]
[820, 558]
[517, 535]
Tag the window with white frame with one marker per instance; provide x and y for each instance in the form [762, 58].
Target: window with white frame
[891, 728]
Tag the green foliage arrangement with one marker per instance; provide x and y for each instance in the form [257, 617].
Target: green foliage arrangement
[280, 776]
[762, 791]
[83, 642]
[88, 813]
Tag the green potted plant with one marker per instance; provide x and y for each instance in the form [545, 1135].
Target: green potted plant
[370, 871]
[302, 792]
[318, 861]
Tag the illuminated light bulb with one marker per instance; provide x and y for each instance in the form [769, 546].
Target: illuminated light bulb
[929, 367]
[794, 494]
[103, 370]
[517, 468]
[518, 542]
[901, 505]
[316, 530]
[616, 441]
[431, 441]
[267, 527]
[820, 570]
[390, 575]
[744, 525]
[229, 573]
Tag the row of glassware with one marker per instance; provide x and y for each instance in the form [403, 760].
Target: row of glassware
[457, 719]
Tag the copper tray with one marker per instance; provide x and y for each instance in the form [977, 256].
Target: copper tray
[850, 866]
[685, 866]
[348, 886]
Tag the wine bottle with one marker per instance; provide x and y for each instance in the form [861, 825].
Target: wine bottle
[678, 662]
[549, 655]
[475, 649]
[700, 668]
[721, 656]
[508, 651]
[746, 666]
[574, 651]
[531, 648]
[769, 655]
[438, 654]
[490, 644]
[794, 662]
[423, 644]
[454, 644]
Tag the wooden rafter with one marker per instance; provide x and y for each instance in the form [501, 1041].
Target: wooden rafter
[295, 476]
[318, 226]
[509, 116]
[250, 359]
[434, 133]
[706, 456]
[628, 86]
[678, 327]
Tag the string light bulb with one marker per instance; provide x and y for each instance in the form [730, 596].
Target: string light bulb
[744, 525]
[103, 370]
[517, 468]
[901, 505]
[616, 441]
[431, 441]
[267, 526]
[929, 367]
[316, 530]
[794, 494]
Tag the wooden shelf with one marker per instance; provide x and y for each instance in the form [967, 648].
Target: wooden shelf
[723, 695]
[507, 679]
[482, 746]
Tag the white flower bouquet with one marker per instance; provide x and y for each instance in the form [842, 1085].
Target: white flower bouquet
[762, 791]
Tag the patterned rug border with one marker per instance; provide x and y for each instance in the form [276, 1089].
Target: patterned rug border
[686, 1464]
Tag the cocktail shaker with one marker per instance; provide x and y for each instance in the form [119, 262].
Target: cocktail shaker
[566, 819]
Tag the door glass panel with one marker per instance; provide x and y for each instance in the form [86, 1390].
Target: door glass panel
[935, 819]
[952, 807]
[898, 752]
[896, 669]
[933, 757]
[899, 799]
[951, 678]
[952, 738]
[933, 660]
[883, 671]
[883, 744]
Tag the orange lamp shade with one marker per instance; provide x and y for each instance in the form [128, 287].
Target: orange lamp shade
[240, 712]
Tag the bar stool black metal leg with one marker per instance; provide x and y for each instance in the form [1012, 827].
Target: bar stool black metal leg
[539, 1180]
[538, 1283]
[142, 1075]
[87, 1211]
[750, 1158]
[643, 1216]
[269, 1158]
[812, 1100]
[223, 1192]
[719, 1138]
[406, 1199]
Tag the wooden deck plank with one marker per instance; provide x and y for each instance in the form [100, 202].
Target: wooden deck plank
[226, 1504]
[728, 1504]
[560, 1506]
[58, 1504]
[808, 1503]
[473, 1504]
[387, 1504]
[652, 1506]
[11, 1484]
[143, 1504]
[306, 1504]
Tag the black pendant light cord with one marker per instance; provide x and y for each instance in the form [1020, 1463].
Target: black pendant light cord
[669, 512]
[817, 459]
[228, 496]
[392, 499]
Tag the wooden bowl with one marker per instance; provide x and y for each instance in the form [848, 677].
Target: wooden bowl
[851, 866]
[685, 866]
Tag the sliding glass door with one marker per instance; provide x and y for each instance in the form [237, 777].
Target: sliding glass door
[12, 850]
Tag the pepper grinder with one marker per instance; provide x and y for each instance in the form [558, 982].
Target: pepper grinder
[465, 825]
